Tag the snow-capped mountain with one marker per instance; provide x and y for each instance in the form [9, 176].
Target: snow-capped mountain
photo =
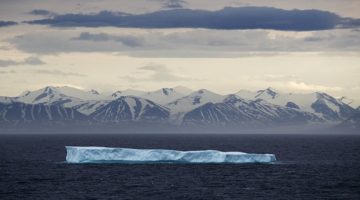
[180, 107]
[94, 92]
[49, 96]
[183, 90]
[116, 95]
[39, 113]
[129, 108]
[237, 111]
[331, 108]
[322, 104]
[128, 92]
[88, 107]
[85, 102]
[57, 95]
[177, 106]
[166, 95]
[351, 102]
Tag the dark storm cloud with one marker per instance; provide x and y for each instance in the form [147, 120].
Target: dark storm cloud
[7, 23]
[27, 61]
[350, 23]
[228, 18]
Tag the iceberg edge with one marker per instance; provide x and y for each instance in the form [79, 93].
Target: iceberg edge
[81, 154]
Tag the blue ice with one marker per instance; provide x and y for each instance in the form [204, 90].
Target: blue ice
[76, 154]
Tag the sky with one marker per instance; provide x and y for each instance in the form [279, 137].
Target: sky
[224, 46]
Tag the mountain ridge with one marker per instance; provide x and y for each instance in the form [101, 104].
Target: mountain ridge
[202, 107]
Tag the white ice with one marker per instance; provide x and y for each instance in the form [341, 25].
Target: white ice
[125, 155]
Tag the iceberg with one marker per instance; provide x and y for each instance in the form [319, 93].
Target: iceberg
[76, 154]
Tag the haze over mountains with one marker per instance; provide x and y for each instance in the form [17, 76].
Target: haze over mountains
[177, 106]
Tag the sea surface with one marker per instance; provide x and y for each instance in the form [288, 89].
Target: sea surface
[309, 167]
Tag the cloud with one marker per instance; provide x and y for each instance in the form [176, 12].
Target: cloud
[8, 72]
[189, 43]
[173, 3]
[279, 77]
[311, 87]
[127, 40]
[229, 18]
[5, 48]
[6, 63]
[57, 73]
[33, 61]
[158, 72]
[26, 61]
[292, 83]
[7, 23]
[42, 12]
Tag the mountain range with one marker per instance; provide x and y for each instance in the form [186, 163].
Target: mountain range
[178, 106]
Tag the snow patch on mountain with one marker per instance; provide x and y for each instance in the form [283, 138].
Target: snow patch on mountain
[180, 107]
[183, 90]
[319, 103]
[128, 92]
[50, 95]
[164, 95]
[131, 108]
[87, 107]
[237, 111]
[351, 102]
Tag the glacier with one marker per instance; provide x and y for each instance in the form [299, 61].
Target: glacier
[77, 154]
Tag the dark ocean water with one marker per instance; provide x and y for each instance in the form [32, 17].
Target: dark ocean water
[309, 167]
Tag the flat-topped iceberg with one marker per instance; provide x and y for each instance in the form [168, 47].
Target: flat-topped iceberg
[126, 155]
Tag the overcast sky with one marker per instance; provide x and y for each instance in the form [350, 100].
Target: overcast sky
[223, 45]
